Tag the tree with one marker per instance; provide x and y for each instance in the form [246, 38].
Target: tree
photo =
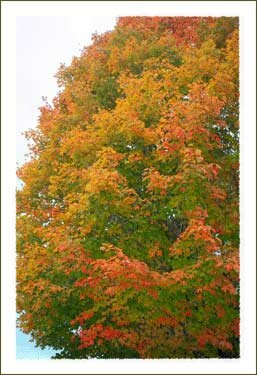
[127, 223]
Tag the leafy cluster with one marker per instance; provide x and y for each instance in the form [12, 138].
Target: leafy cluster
[127, 223]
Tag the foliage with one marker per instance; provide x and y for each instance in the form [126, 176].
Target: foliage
[127, 224]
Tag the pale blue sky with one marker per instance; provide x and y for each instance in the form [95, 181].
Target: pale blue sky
[27, 350]
[42, 43]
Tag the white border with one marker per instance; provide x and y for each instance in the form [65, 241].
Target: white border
[246, 10]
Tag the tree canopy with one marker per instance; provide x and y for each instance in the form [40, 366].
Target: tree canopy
[128, 220]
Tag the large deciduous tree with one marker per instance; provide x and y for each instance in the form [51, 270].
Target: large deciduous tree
[127, 223]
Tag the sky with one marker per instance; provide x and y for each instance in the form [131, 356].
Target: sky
[25, 349]
[42, 44]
